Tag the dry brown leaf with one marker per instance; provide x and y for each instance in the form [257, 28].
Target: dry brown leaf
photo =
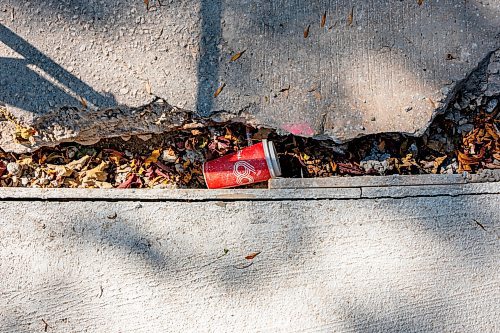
[492, 131]
[84, 102]
[153, 158]
[420, 2]
[381, 146]
[77, 165]
[104, 185]
[323, 20]
[97, 174]
[465, 161]
[306, 31]
[237, 55]
[146, 2]
[59, 170]
[406, 162]
[334, 166]
[350, 18]
[25, 161]
[252, 255]
[219, 90]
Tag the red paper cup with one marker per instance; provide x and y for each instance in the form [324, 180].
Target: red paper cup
[254, 164]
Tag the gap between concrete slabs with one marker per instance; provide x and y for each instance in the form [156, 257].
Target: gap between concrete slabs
[334, 188]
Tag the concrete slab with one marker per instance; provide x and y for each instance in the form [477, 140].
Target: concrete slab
[373, 67]
[427, 264]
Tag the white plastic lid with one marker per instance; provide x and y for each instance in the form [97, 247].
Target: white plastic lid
[271, 158]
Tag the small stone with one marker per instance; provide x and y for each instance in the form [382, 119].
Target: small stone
[465, 128]
[124, 91]
[169, 156]
[13, 168]
[24, 181]
[464, 103]
[413, 149]
[492, 105]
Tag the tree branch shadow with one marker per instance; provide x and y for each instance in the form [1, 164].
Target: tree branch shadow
[23, 79]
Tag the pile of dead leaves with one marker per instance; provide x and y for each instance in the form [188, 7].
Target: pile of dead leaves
[176, 162]
[480, 147]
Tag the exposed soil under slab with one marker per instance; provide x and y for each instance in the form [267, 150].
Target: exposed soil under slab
[465, 138]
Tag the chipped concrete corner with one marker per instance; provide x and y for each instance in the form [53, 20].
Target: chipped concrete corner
[363, 67]
[88, 126]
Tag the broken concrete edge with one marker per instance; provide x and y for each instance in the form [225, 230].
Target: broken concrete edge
[480, 70]
[85, 126]
[88, 125]
[229, 195]
[385, 181]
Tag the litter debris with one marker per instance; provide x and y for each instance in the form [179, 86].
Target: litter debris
[254, 164]
[465, 138]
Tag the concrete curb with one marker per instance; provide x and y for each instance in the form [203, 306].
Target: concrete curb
[384, 181]
[335, 188]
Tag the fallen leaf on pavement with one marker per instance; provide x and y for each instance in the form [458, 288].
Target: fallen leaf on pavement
[237, 56]
[252, 255]
[219, 90]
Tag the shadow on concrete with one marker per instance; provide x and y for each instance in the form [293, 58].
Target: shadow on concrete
[161, 247]
[208, 65]
[36, 72]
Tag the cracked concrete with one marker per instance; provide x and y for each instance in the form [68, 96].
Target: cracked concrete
[390, 67]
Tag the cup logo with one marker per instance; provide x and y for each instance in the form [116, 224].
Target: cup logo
[242, 171]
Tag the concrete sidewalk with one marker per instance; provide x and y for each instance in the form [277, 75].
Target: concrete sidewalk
[374, 66]
[104, 262]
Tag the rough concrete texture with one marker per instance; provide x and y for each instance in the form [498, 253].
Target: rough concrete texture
[384, 265]
[375, 66]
